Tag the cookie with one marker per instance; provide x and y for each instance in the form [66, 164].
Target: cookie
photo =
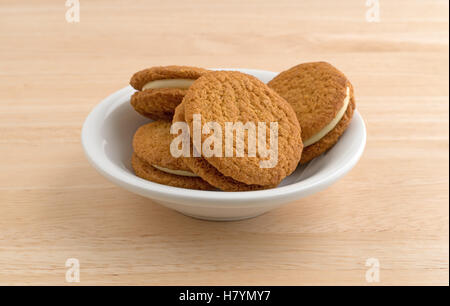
[151, 144]
[229, 97]
[161, 89]
[146, 171]
[158, 103]
[206, 171]
[323, 100]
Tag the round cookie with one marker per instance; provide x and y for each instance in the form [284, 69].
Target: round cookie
[330, 139]
[151, 142]
[158, 103]
[141, 78]
[231, 96]
[201, 167]
[161, 89]
[153, 161]
[322, 98]
[146, 171]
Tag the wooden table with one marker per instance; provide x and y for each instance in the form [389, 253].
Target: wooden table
[392, 207]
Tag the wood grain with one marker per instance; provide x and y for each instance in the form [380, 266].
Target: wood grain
[393, 206]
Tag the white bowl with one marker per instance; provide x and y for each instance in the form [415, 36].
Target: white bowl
[107, 135]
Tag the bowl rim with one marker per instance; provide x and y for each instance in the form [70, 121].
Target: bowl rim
[169, 193]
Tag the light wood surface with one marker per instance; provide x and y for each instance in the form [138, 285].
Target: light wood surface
[393, 206]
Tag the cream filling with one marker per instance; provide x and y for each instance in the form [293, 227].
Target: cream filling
[176, 172]
[318, 136]
[169, 83]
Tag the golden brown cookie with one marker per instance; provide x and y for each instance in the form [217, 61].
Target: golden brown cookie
[161, 89]
[231, 96]
[146, 171]
[141, 78]
[322, 98]
[157, 103]
[202, 168]
[151, 144]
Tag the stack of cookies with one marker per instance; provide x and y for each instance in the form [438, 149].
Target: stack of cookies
[228, 130]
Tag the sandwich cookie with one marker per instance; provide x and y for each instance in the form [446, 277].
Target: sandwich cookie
[322, 98]
[231, 97]
[206, 171]
[161, 89]
[153, 161]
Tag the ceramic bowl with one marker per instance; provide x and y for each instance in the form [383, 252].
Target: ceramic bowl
[107, 136]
